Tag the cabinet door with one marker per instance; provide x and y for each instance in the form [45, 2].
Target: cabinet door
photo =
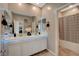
[14, 49]
[43, 44]
[34, 46]
[39, 45]
[0, 49]
[26, 49]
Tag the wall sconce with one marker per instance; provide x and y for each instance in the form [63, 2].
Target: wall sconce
[10, 25]
[20, 31]
[48, 25]
[4, 22]
[14, 34]
[36, 26]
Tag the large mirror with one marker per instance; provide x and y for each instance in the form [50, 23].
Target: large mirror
[23, 24]
[19, 23]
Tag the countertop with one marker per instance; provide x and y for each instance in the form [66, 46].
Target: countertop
[24, 38]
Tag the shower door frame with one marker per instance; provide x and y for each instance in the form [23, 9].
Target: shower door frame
[58, 18]
[57, 22]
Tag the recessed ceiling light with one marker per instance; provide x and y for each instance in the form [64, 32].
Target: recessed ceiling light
[19, 4]
[37, 3]
[49, 8]
[70, 6]
[34, 8]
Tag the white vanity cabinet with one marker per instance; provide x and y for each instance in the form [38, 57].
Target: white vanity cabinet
[26, 48]
[14, 49]
[33, 47]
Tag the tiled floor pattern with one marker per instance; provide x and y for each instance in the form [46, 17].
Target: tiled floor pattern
[67, 52]
[62, 52]
[44, 53]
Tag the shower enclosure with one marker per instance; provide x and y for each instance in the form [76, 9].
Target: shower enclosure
[69, 28]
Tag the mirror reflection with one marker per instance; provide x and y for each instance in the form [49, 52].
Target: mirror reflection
[21, 24]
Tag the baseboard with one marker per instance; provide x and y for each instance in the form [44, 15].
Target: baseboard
[51, 52]
[70, 45]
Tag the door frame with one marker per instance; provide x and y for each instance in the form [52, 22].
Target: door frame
[57, 25]
[57, 28]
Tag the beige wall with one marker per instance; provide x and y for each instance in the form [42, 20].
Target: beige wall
[4, 5]
[51, 16]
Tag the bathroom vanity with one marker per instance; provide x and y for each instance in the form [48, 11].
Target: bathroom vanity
[25, 46]
[32, 40]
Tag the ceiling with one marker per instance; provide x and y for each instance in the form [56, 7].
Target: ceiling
[39, 4]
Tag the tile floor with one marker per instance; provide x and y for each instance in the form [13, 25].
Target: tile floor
[67, 52]
[62, 52]
[44, 53]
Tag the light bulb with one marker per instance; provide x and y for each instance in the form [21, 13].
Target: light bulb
[49, 8]
[37, 3]
[34, 8]
[20, 4]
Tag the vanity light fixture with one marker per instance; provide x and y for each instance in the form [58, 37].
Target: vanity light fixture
[49, 8]
[10, 25]
[4, 22]
[48, 25]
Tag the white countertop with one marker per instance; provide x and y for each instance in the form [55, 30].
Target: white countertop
[24, 38]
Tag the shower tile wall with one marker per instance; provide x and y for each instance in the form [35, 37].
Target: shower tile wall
[71, 28]
[61, 29]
